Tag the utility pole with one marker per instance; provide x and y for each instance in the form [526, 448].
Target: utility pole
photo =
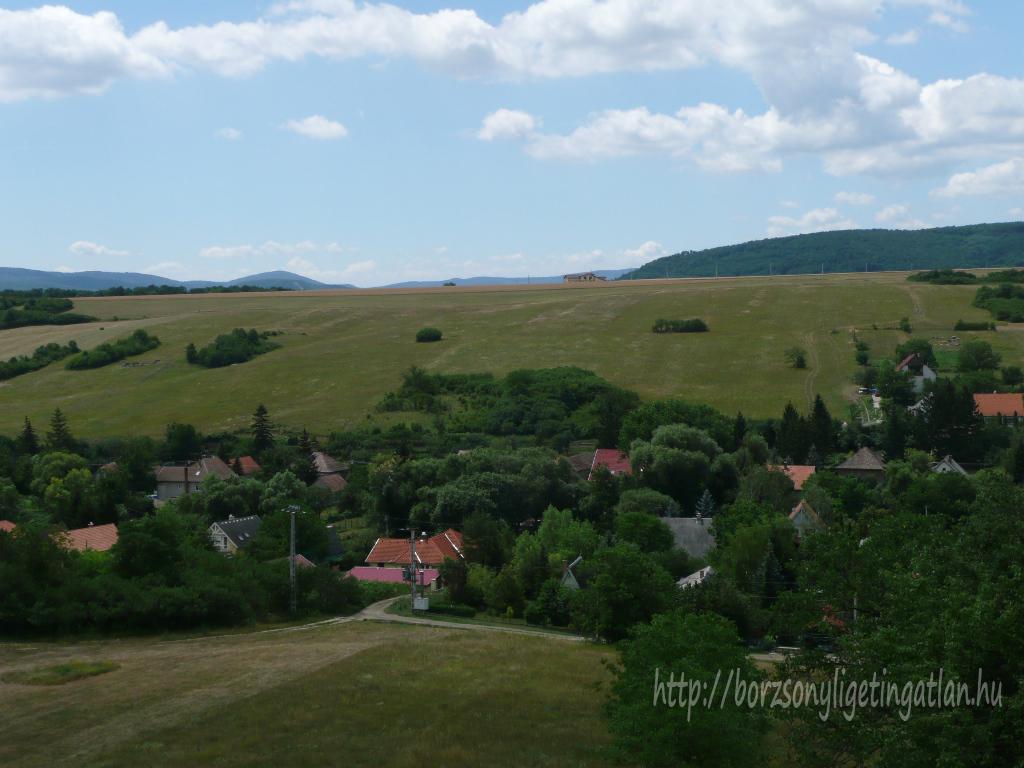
[293, 602]
[412, 567]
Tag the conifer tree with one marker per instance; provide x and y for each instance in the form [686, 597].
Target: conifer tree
[28, 441]
[262, 429]
[59, 437]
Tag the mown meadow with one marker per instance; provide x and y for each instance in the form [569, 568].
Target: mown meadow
[342, 351]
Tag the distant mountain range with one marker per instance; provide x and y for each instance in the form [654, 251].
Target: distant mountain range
[854, 250]
[13, 278]
[16, 279]
[610, 274]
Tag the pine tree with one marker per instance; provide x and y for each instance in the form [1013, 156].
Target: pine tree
[262, 429]
[739, 430]
[822, 433]
[28, 441]
[706, 505]
[792, 445]
[190, 353]
[59, 437]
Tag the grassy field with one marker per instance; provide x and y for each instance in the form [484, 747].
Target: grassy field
[342, 350]
[357, 694]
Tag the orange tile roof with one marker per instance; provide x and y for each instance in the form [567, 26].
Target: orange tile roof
[432, 551]
[7, 525]
[247, 464]
[1000, 404]
[614, 460]
[798, 473]
[98, 538]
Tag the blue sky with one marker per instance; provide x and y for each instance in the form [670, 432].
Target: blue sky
[367, 143]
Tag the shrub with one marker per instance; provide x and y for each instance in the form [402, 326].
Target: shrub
[1012, 375]
[428, 334]
[110, 352]
[970, 325]
[944, 277]
[693, 325]
[41, 358]
[239, 346]
[796, 357]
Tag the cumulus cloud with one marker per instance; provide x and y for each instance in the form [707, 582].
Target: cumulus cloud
[910, 37]
[164, 268]
[824, 97]
[897, 216]
[816, 220]
[1002, 178]
[269, 248]
[317, 127]
[644, 252]
[86, 248]
[229, 134]
[854, 198]
[506, 124]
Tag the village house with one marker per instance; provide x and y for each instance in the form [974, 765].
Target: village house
[612, 459]
[805, 520]
[428, 578]
[797, 473]
[918, 371]
[865, 464]
[692, 534]
[175, 481]
[328, 465]
[331, 483]
[235, 533]
[245, 466]
[431, 552]
[947, 465]
[1003, 408]
[92, 538]
[696, 578]
[584, 277]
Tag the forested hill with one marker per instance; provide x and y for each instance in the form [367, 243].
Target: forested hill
[854, 250]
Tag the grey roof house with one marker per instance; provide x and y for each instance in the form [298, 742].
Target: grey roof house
[692, 534]
[235, 533]
[175, 481]
[865, 464]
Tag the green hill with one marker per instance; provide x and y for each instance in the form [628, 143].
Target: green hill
[977, 245]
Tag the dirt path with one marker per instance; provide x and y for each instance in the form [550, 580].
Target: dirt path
[812, 376]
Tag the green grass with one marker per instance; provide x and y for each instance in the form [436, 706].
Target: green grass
[59, 674]
[357, 694]
[342, 351]
[401, 608]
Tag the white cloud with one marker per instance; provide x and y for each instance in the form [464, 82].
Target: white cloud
[910, 37]
[949, 21]
[269, 248]
[644, 253]
[317, 127]
[816, 220]
[791, 204]
[165, 268]
[1005, 178]
[506, 124]
[229, 134]
[891, 212]
[897, 216]
[86, 248]
[1016, 213]
[854, 198]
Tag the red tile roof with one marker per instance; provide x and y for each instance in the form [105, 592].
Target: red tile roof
[424, 576]
[7, 525]
[247, 464]
[432, 551]
[1000, 404]
[196, 471]
[613, 459]
[798, 473]
[98, 538]
[333, 483]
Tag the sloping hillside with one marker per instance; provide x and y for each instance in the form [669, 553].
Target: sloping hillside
[855, 250]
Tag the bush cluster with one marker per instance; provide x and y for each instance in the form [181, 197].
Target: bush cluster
[41, 358]
[693, 325]
[113, 351]
[239, 346]
[428, 334]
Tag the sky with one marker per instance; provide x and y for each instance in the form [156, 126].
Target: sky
[369, 143]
